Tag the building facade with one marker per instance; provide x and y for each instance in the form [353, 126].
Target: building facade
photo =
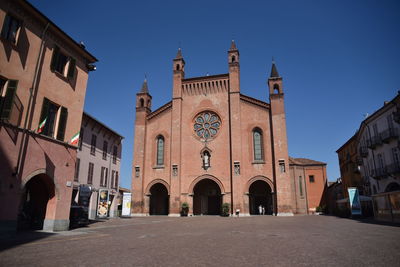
[211, 145]
[349, 163]
[98, 167]
[43, 77]
[310, 184]
[378, 147]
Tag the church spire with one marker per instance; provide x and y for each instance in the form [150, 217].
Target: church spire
[233, 46]
[145, 88]
[179, 54]
[274, 70]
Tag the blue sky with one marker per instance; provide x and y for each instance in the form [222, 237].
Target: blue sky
[339, 59]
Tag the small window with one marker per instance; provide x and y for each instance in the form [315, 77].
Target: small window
[105, 146]
[160, 151]
[63, 64]
[233, 59]
[276, 88]
[53, 120]
[301, 186]
[106, 177]
[282, 166]
[11, 29]
[10, 106]
[116, 179]
[112, 178]
[141, 102]
[77, 166]
[178, 67]
[90, 173]
[93, 144]
[236, 166]
[311, 178]
[102, 176]
[258, 145]
[115, 151]
[137, 171]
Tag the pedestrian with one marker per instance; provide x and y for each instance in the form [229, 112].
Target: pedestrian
[260, 210]
[263, 210]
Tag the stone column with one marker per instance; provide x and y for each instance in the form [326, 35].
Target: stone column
[146, 208]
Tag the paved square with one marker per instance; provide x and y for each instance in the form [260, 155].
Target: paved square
[210, 241]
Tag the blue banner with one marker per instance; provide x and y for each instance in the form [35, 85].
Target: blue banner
[354, 198]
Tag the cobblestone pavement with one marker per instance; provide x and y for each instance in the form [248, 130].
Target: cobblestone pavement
[210, 241]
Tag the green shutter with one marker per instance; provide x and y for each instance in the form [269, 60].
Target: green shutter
[71, 68]
[54, 58]
[9, 99]
[62, 123]
[6, 27]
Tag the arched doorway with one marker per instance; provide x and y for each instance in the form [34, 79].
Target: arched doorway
[159, 200]
[260, 194]
[36, 194]
[207, 198]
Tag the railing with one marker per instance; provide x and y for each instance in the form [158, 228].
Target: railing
[374, 141]
[388, 134]
[393, 168]
[363, 151]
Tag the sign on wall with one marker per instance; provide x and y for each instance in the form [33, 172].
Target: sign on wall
[354, 198]
[102, 208]
[126, 204]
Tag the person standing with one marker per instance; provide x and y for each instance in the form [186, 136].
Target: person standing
[260, 208]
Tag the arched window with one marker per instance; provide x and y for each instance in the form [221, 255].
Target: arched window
[178, 67]
[233, 59]
[141, 102]
[258, 144]
[160, 150]
[276, 88]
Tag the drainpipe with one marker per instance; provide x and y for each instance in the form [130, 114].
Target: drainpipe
[32, 99]
[230, 148]
[275, 207]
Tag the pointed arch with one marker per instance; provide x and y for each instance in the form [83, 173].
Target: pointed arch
[160, 146]
[258, 144]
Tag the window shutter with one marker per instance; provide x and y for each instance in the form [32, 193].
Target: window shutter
[9, 99]
[71, 68]
[6, 27]
[54, 58]
[45, 110]
[62, 123]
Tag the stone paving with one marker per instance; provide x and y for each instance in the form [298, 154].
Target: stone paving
[210, 241]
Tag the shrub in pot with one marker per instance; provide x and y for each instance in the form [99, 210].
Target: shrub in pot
[185, 209]
[225, 209]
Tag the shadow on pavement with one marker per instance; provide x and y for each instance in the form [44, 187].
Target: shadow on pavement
[369, 220]
[13, 239]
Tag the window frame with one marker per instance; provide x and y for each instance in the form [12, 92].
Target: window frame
[57, 125]
[258, 145]
[160, 150]
[90, 173]
[7, 29]
[105, 149]
[93, 143]
[115, 152]
[311, 178]
[63, 64]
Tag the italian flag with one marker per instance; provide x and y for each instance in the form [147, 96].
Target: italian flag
[75, 139]
[41, 125]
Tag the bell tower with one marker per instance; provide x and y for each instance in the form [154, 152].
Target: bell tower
[284, 194]
[143, 108]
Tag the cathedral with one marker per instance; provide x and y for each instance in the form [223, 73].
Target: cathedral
[212, 145]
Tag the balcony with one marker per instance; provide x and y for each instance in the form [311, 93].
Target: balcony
[389, 134]
[393, 168]
[374, 141]
[363, 151]
[396, 115]
[380, 173]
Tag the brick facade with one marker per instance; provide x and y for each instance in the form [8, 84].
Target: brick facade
[249, 147]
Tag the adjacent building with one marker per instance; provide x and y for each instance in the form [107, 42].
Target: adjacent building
[98, 167]
[309, 183]
[211, 145]
[43, 77]
[370, 161]
[349, 163]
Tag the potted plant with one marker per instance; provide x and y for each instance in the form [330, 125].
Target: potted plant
[185, 209]
[225, 210]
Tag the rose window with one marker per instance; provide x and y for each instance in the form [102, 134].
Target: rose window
[206, 125]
